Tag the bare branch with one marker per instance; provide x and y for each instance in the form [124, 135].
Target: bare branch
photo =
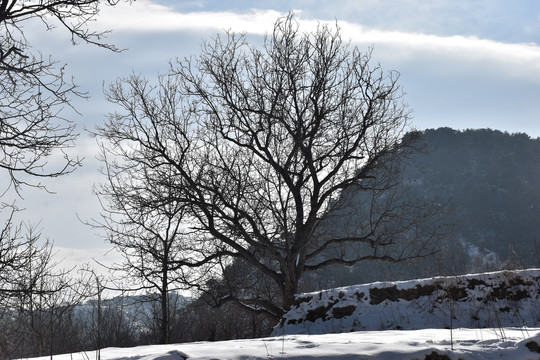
[35, 90]
[264, 148]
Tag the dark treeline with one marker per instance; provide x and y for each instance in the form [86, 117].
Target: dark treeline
[491, 180]
[122, 321]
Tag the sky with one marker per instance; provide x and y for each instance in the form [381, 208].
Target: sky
[463, 64]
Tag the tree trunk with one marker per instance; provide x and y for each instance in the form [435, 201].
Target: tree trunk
[164, 326]
[290, 287]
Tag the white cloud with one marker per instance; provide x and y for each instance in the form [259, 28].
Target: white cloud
[69, 258]
[518, 59]
[144, 16]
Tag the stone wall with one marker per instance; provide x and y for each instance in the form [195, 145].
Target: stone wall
[497, 299]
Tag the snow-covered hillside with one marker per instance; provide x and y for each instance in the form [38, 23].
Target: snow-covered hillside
[501, 309]
[428, 344]
[488, 300]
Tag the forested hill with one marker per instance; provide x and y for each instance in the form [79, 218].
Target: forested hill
[490, 181]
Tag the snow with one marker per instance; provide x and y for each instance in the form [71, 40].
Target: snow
[487, 300]
[324, 325]
[468, 344]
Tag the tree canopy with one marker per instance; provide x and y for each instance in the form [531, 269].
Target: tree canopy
[263, 142]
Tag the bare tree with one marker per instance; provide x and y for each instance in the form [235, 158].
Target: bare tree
[24, 261]
[144, 222]
[34, 138]
[264, 142]
[34, 88]
[33, 92]
[29, 285]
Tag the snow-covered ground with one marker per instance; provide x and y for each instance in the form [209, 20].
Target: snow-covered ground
[466, 344]
[499, 316]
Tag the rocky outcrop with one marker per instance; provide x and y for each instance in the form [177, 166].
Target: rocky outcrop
[497, 299]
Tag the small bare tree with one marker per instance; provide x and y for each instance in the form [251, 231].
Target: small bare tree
[144, 222]
[24, 261]
[35, 136]
[266, 144]
[30, 287]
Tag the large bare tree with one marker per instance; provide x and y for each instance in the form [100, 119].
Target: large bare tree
[267, 144]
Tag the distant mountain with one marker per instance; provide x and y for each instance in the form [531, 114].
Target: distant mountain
[489, 182]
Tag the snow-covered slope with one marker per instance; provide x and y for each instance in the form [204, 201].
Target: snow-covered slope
[488, 300]
[487, 303]
[427, 344]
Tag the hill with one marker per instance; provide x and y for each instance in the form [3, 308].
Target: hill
[487, 180]
[490, 180]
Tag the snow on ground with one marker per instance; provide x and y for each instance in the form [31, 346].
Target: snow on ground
[324, 325]
[468, 344]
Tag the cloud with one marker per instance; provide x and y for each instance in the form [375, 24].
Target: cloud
[143, 16]
[500, 20]
[522, 60]
[96, 258]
